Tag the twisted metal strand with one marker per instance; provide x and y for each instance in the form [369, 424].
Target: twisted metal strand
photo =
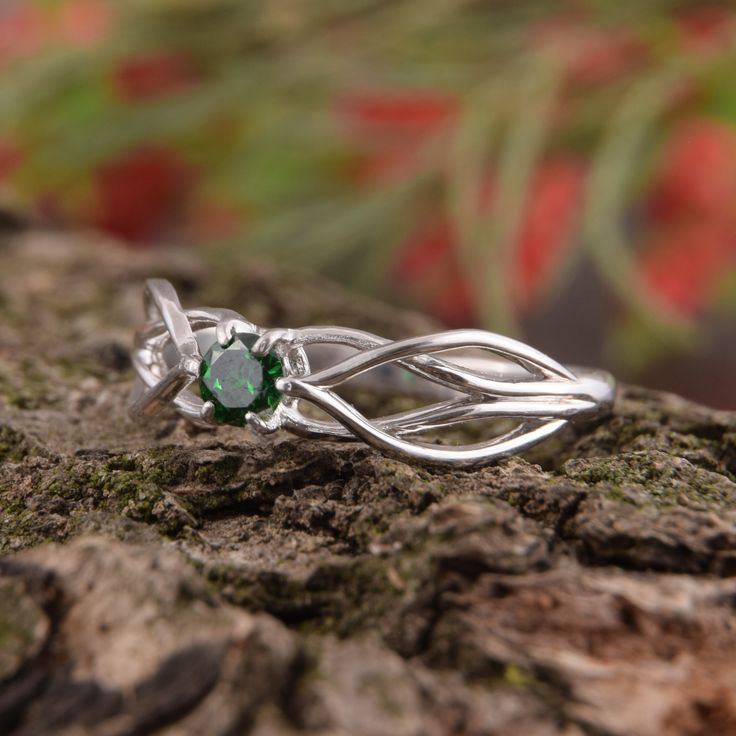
[547, 405]
[540, 393]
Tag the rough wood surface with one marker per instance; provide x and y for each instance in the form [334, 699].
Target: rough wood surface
[166, 580]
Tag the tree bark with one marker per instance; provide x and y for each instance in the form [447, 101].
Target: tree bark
[163, 579]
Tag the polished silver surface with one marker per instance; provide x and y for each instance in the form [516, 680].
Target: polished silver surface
[480, 376]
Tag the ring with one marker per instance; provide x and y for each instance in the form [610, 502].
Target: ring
[214, 366]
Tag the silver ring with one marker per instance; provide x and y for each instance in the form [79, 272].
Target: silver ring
[215, 366]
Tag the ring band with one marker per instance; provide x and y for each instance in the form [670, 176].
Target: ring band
[215, 366]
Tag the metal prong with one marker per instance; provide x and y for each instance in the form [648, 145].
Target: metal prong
[271, 339]
[261, 425]
[224, 332]
[190, 365]
[286, 386]
[207, 413]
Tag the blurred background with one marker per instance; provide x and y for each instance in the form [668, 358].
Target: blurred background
[560, 171]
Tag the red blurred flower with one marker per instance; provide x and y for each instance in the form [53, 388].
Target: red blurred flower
[141, 193]
[23, 31]
[153, 75]
[414, 111]
[707, 29]
[693, 209]
[11, 156]
[548, 226]
[592, 54]
[685, 263]
[389, 129]
[429, 267]
[697, 172]
[429, 272]
[85, 22]
[453, 302]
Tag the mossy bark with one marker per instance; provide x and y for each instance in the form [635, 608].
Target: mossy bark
[163, 579]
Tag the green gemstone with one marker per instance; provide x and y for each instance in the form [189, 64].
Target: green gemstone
[238, 382]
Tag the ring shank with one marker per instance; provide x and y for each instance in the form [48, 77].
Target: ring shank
[392, 379]
[388, 379]
[467, 375]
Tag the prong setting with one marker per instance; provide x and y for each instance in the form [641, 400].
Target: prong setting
[190, 365]
[207, 413]
[263, 424]
[278, 340]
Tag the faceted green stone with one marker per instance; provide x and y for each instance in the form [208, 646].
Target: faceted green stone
[238, 382]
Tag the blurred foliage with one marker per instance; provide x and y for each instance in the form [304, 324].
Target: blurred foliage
[467, 156]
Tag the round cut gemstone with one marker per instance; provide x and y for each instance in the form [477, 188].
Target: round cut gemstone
[238, 382]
